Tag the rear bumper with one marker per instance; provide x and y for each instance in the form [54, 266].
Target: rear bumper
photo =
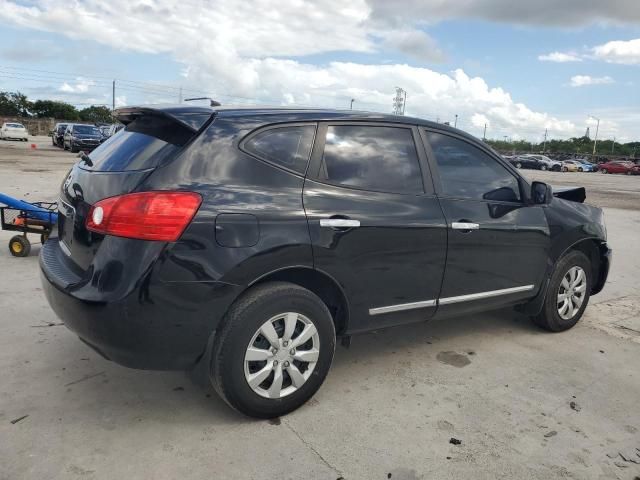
[156, 325]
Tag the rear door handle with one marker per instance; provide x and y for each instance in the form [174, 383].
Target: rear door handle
[465, 226]
[339, 223]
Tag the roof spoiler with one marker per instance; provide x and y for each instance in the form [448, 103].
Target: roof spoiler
[173, 124]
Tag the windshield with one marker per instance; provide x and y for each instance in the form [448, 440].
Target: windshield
[86, 130]
[14, 125]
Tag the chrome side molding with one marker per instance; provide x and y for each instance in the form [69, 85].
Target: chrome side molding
[401, 307]
[449, 300]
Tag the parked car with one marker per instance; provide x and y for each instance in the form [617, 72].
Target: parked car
[536, 162]
[81, 137]
[57, 136]
[248, 239]
[628, 168]
[571, 166]
[13, 131]
[108, 131]
[586, 165]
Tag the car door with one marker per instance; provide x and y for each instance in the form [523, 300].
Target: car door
[375, 223]
[498, 244]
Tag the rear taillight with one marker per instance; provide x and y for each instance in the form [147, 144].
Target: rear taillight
[146, 215]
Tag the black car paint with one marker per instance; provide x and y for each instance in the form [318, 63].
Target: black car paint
[155, 305]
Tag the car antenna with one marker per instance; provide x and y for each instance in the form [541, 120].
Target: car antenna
[214, 103]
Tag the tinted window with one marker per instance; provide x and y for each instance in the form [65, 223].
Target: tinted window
[374, 158]
[130, 151]
[287, 147]
[468, 172]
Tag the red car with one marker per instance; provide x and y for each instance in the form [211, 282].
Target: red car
[629, 168]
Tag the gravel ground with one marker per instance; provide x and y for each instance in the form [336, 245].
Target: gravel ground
[523, 403]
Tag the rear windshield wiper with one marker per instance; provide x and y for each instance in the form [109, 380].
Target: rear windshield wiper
[85, 158]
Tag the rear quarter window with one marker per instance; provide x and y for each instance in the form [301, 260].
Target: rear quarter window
[287, 146]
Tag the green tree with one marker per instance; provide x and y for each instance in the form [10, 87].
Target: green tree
[55, 109]
[96, 114]
[14, 104]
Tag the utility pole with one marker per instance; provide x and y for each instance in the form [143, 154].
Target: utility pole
[351, 106]
[455, 123]
[544, 145]
[595, 139]
[613, 145]
[113, 96]
[484, 135]
[505, 138]
[399, 101]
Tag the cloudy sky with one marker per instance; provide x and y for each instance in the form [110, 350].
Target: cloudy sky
[519, 67]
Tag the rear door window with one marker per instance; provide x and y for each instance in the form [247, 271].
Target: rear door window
[376, 158]
[287, 146]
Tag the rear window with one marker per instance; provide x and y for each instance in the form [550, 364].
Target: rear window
[130, 151]
[15, 125]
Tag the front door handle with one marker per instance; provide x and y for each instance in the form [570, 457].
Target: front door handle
[465, 226]
[339, 223]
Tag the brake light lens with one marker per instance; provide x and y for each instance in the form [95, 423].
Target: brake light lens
[161, 216]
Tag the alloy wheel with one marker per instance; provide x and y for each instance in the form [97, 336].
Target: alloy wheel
[281, 355]
[571, 292]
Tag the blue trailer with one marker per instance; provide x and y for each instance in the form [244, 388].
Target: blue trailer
[20, 216]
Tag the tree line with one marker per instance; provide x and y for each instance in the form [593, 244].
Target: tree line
[578, 145]
[16, 104]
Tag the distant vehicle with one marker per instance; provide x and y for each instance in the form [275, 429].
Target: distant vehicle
[58, 134]
[13, 131]
[520, 161]
[81, 137]
[571, 166]
[628, 168]
[545, 163]
[108, 131]
[586, 165]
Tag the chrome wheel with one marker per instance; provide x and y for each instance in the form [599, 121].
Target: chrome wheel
[281, 355]
[571, 292]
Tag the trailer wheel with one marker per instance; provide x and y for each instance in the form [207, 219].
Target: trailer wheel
[19, 246]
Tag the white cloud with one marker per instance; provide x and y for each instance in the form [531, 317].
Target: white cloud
[559, 57]
[584, 80]
[619, 51]
[82, 85]
[254, 51]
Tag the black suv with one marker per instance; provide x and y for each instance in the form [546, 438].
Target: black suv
[81, 137]
[247, 240]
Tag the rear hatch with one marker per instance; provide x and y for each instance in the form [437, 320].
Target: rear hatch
[151, 138]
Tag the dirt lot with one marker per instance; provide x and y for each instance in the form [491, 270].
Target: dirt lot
[524, 403]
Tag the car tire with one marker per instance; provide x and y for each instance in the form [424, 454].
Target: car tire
[518, 165]
[73, 148]
[543, 168]
[565, 169]
[241, 334]
[571, 278]
[603, 171]
[580, 169]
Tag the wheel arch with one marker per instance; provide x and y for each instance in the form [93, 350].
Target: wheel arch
[592, 248]
[318, 282]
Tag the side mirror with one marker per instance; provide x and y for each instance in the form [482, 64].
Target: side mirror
[541, 193]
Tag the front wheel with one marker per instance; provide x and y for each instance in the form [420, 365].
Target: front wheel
[543, 167]
[604, 171]
[567, 294]
[518, 165]
[273, 350]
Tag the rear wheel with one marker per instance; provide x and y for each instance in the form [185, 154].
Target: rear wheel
[19, 246]
[580, 169]
[543, 167]
[273, 350]
[604, 171]
[567, 294]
